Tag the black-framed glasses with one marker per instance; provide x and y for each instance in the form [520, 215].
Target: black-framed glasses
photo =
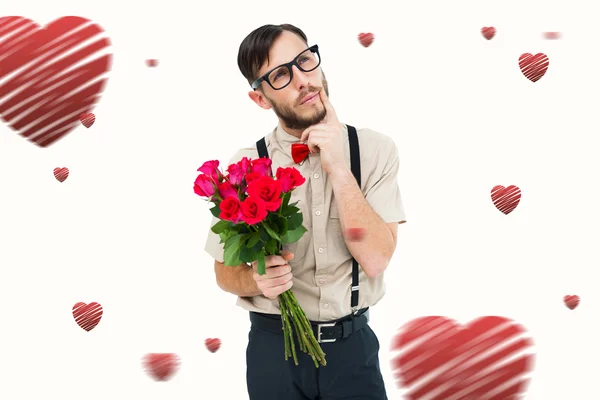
[281, 76]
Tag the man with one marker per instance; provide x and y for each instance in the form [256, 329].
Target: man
[318, 266]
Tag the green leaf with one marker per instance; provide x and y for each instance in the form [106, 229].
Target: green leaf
[221, 226]
[253, 239]
[264, 236]
[247, 255]
[277, 222]
[271, 246]
[231, 255]
[293, 204]
[270, 231]
[245, 238]
[295, 221]
[290, 210]
[227, 234]
[261, 263]
[293, 235]
[216, 211]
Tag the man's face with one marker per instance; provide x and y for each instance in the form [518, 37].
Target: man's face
[286, 102]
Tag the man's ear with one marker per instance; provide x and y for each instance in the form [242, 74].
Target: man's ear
[259, 99]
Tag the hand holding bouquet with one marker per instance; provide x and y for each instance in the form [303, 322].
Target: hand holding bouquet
[256, 220]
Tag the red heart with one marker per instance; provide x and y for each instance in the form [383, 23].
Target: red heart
[356, 234]
[161, 366]
[506, 199]
[212, 344]
[61, 174]
[441, 360]
[152, 62]
[50, 58]
[488, 32]
[87, 316]
[533, 67]
[366, 39]
[87, 119]
[571, 301]
[552, 35]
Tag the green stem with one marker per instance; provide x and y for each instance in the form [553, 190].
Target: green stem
[307, 329]
[284, 323]
[300, 332]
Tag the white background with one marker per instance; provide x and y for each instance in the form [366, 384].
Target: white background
[126, 230]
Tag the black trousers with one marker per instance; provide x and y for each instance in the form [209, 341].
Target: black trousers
[352, 370]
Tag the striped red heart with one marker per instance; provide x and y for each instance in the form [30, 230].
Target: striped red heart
[87, 316]
[152, 62]
[50, 76]
[366, 39]
[212, 344]
[487, 359]
[488, 32]
[61, 174]
[571, 301]
[87, 119]
[506, 199]
[533, 67]
[161, 366]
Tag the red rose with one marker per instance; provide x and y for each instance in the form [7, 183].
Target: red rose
[204, 186]
[268, 190]
[226, 190]
[250, 176]
[230, 209]
[211, 168]
[253, 210]
[290, 178]
[261, 166]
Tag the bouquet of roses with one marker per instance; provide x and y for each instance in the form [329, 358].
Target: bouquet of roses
[256, 220]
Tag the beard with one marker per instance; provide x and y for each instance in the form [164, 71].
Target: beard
[292, 120]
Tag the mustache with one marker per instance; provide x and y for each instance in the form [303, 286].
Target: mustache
[303, 95]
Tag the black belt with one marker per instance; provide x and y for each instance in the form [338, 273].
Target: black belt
[325, 332]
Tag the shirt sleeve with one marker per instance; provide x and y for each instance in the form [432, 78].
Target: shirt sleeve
[383, 191]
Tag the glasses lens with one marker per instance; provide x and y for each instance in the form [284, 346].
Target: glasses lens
[281, 76]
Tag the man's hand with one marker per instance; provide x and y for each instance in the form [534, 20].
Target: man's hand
[326, 138]
[278, 275]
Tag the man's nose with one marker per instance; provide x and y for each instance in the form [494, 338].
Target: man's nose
[300, 77]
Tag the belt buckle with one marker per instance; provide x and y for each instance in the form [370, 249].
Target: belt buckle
[319, 333]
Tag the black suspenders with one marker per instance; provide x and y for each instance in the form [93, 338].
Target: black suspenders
[355, 167]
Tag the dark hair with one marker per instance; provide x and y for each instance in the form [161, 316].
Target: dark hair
[254, 49]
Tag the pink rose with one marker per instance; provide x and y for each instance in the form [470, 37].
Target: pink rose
[226, 190]
[204, 186]
[236, 174]
[261, 166]
[244, 164]
[211, 168]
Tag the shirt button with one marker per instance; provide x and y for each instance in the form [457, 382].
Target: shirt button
[316, 176]
[320, 249]
[318, 212]
[321, 281]
[326, 305]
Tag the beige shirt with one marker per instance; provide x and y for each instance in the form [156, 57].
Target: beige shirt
[322, 264]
